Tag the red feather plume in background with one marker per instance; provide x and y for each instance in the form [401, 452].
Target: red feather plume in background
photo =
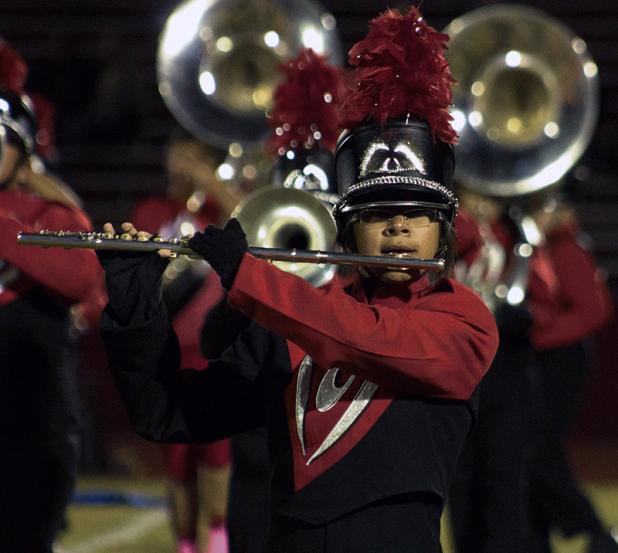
[13, 69]
[305, 107]
[400, 70]
[45, 112]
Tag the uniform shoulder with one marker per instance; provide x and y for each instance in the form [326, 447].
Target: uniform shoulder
[451, 290]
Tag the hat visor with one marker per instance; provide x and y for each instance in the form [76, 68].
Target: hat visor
[395, 195]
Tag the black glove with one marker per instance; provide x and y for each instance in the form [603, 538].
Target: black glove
[222, 248]
[133, 285]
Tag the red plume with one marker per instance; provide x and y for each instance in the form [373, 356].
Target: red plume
[45, 113]
[400, 70]
[305, 110]
[13, 69]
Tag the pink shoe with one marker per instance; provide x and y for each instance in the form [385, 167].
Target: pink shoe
[186, 546]
[217, 540]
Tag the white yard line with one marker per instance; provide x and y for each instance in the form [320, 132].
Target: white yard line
[135, 528]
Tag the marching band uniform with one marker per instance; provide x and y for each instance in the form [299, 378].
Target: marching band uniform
[39, 383]
[304, 121]
[188, 296]
[582, 303]
[40, 434]
[488, 497]
[531, 390]
[582, 306]
[367, 392]
[410, 348]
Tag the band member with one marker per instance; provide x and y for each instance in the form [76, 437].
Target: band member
[198, 476]
[487, 495]
[560, 337]
[488, 499]
[366, 390]
[39, 435]
[304, 121]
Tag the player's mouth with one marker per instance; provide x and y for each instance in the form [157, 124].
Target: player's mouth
[399, 251]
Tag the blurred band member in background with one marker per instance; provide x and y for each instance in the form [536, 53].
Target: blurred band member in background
[488, 498]
[304, 121]
[198, 475]
[39, 433]
[560, 336]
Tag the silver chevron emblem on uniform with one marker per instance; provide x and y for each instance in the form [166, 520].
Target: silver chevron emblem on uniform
[328, 392]
[328, 397]
[354, 410]
[303, 386]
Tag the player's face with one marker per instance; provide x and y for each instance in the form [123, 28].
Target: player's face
[410, 233]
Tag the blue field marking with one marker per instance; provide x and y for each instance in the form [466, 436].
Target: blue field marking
[128, 499]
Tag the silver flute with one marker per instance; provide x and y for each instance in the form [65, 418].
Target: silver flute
[179, 246]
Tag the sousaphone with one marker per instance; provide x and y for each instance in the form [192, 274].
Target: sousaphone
[288, 218]
[526, 99]
[525, 106]
[217, 62]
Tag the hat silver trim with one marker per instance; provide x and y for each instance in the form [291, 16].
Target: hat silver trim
[426, 183]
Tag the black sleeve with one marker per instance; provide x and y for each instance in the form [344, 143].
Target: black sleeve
[169, 404]
[133, 282]
[222, 326]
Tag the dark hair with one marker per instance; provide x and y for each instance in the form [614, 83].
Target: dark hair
[446, 250]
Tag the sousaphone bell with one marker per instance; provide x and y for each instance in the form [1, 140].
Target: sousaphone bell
[526, 100]
[217, 62]
[276, 217]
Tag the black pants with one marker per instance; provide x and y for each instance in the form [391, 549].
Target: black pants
[405, 524]
[248, 515]
[38, 423]
[488, 497]
[557, 502]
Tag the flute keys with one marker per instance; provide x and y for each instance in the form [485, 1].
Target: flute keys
[126, 236]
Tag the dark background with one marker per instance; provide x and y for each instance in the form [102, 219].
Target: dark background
[96, 60]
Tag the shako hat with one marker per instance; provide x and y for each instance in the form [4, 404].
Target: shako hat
[16, 111]
[397, 149]
[305, 123]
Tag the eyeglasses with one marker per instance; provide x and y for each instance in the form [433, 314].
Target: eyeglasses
[417, 218]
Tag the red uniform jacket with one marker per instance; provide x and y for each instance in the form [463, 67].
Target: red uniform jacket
[580, 302]
[347, 384]
[71, 275]
[410, 341]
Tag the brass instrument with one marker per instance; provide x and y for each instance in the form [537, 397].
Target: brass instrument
[288, 219]
[526, 100]
[525, 106]
[217, 62]
[217, 68]
[178, 246]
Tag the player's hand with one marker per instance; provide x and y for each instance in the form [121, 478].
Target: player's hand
[222, 248]
[133, 279]
[129, 230]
